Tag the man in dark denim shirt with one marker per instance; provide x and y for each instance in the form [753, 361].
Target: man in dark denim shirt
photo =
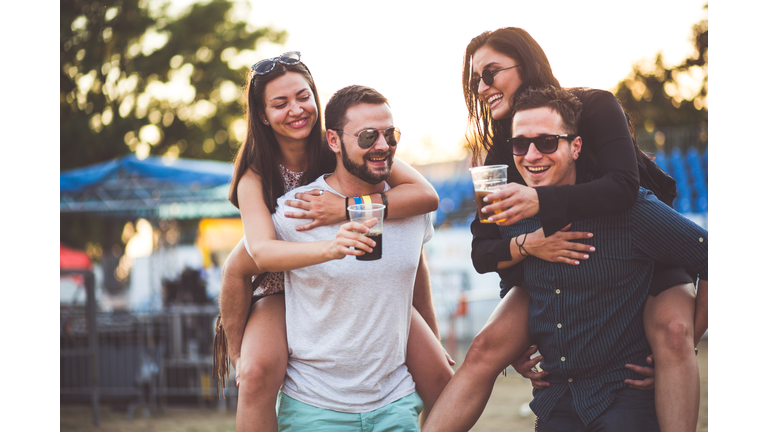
[588, 320]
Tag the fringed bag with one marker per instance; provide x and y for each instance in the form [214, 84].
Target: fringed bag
[221, 363]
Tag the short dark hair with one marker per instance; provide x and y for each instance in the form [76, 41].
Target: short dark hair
[558, 100]
[344, 99]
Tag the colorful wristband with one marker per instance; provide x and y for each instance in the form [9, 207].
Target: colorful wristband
[366, 199]
[358, 200]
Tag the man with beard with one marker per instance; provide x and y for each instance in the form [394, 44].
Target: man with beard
[347, 321]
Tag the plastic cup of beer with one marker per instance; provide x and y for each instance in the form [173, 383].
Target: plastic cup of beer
[372, 216]
[487, 179]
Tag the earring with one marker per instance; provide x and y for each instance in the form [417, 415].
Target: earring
[266, 122]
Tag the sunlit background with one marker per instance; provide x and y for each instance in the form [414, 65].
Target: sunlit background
[412, 51]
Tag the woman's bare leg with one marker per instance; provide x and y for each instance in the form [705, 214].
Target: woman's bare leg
[263, 360]
[256, 338]
[668, 320]
[502, 340]
[427, 363]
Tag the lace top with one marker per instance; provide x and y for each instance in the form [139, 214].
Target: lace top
[274, 282]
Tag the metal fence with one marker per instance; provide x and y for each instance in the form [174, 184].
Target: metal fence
[144, 359]
[149, 360]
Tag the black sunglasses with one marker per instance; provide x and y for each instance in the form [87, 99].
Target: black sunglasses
[265, 66]
[545, 144]
[487, 77]
[367, 137]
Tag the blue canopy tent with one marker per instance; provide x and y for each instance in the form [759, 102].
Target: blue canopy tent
[154, 187]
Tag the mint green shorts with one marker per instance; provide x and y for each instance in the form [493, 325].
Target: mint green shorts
[401, 415]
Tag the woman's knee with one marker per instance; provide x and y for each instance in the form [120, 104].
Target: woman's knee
[673, 336]
[483, 348]
[257, 377]
[669, 321]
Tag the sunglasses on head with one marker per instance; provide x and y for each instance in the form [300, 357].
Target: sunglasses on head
[487, 77]
[265, 66]
[367, 137]
[545, 144]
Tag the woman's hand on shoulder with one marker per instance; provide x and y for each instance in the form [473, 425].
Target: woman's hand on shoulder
[322, 207]
[517, 202]
[558, 247]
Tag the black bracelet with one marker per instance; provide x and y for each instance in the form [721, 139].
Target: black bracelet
[520, 247]
[346, 206]
[386, 204]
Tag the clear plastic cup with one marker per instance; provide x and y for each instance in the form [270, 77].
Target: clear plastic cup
[487, 179]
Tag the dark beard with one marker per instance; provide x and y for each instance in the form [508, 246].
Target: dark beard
[361, 171]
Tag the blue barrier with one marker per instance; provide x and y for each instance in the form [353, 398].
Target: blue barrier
[695, 164]
[690, 171]
[684, 201]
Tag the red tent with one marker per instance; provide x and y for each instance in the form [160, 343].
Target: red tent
[72, 259]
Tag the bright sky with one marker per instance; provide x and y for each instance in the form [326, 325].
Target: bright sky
[411, 51]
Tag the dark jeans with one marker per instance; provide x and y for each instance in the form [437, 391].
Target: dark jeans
[631, 411]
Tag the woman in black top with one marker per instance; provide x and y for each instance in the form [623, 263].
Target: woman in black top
[498, 65]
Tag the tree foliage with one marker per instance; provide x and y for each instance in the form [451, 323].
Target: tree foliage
[134, 79]
[657, 96]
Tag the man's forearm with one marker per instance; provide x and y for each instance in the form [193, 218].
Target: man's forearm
[422, 296]
[700, 320]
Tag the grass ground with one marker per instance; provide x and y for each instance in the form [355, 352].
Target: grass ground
[503, 412]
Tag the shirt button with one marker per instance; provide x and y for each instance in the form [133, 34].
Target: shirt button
[562, 358]
[557, 291]
[559, 325]
[570, 379]
[701, 239]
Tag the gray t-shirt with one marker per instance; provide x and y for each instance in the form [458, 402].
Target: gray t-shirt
[347, 320]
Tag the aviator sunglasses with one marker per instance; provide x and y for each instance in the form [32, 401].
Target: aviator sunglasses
[265, 66]
[545, 144]
[367, 137]
[487, 77]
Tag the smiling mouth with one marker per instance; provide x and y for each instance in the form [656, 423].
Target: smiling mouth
[299, 123]
[378, 159]
[495, 98]
[537, 170]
